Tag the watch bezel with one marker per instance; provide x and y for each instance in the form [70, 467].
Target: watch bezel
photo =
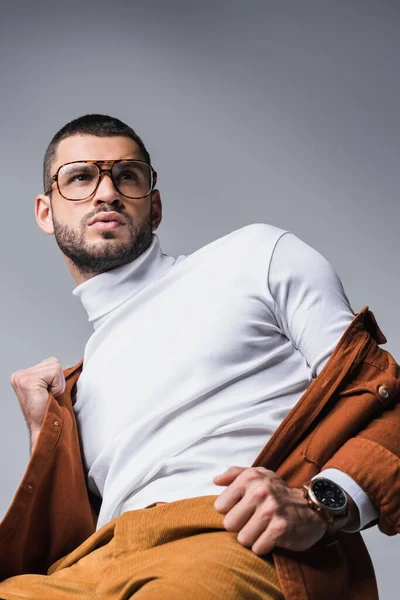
[331, 509]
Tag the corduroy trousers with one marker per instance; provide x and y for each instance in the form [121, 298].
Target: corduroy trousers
[166, 551]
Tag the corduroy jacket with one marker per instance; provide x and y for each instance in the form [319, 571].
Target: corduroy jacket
[348, 419]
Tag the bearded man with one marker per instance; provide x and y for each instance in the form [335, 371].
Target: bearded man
[241, 366]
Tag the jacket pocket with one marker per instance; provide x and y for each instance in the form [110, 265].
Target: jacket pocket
[353, 409]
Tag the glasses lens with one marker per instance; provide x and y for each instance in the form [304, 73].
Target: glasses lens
[133, 179]
[77, 180]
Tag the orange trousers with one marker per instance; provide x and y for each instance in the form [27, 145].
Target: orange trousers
[167, 551]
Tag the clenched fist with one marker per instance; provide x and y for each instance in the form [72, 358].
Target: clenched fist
[32, 387]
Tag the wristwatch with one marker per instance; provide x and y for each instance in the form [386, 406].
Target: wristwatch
[329, 500]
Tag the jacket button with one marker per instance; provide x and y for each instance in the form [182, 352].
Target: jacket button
[56, 423]
[383, 392]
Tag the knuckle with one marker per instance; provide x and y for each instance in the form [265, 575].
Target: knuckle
[264, 513]
[279, 528]
[51, 361]
[261, 470]
[259, 492]
[273, 504]
[14, 377]
[251, 474]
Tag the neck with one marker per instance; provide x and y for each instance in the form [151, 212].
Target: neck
[108, 290]
[78, 275]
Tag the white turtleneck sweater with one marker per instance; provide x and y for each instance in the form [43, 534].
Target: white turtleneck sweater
[196, 360]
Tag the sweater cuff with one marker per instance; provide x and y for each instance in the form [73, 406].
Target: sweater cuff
[366, 509]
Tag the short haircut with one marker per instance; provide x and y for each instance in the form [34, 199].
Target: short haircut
[100, 125]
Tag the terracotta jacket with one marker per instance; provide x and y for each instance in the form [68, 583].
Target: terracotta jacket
[348, 418]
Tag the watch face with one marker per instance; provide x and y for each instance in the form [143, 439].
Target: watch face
[328, 494]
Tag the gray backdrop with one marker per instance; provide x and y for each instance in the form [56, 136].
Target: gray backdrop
[278, 112]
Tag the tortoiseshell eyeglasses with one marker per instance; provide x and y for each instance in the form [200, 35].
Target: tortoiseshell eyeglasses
[78, 180]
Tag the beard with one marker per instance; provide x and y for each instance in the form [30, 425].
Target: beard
[92, 260]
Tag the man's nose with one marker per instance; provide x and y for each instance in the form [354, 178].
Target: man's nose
[106, 190]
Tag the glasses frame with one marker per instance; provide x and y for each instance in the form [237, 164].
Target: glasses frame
[102, 172]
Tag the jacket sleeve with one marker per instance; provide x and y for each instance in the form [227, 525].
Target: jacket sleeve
[372, 456]
[366, 510]
[50, 514]
[313, 311]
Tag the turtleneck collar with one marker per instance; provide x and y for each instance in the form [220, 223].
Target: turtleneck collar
[103, 293]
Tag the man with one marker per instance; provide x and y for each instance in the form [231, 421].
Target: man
[194, 364]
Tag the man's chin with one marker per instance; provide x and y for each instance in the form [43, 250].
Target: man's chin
[98, 236]
[94, 252]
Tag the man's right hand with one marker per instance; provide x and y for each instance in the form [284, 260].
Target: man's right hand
[32, 387]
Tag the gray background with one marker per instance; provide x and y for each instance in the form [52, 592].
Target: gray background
[278, 112]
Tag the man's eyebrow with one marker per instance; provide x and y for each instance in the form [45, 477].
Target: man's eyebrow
[73, 166]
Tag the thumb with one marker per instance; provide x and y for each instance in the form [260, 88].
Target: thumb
[228, 476]
[57, 385]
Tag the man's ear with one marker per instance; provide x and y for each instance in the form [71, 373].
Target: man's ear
[156, 209]
[43, 213]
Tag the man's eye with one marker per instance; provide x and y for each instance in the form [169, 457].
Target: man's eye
[127, 175]
[80, 177]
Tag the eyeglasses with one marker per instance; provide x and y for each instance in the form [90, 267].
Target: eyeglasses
[78, 180]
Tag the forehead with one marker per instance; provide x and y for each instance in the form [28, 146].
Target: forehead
[93, 147]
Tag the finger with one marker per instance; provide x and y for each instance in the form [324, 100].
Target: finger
[57, 384]
[254, 527]
[271, 537]
[240, 514]
[229, 497]
[228, 476]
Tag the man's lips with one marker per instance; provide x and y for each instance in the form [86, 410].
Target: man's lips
[105, 225]
[105, 221]
[107, 216]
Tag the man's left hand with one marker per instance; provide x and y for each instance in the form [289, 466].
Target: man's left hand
[266, 512]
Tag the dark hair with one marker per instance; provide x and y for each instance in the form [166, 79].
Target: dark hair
[100, 125]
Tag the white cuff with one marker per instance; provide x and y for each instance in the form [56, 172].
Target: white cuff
[365, 507]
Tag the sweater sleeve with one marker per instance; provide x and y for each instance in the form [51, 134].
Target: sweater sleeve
[311, 307]
[366, 510]
[313, 311]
